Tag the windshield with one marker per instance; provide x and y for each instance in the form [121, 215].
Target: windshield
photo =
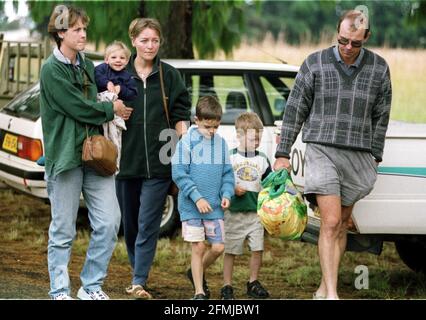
[26, 105]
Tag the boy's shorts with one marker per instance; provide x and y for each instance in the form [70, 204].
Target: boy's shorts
[240, 226]
[197, 230]
[349, 174]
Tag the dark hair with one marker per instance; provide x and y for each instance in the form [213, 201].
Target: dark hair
[208, 108]
[63, 17]
[352, 15]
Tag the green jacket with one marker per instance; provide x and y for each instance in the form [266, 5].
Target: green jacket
[65, 111]
[141, 144]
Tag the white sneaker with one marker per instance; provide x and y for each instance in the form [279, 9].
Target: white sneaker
[62, 296]
[83, 294]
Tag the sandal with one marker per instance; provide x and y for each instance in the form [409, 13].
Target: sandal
[138, 292]
[256, 290]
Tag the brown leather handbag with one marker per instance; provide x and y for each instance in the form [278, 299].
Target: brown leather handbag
[100, 154]
[173, 189]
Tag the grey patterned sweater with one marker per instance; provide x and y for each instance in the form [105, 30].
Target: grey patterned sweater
[336, 109]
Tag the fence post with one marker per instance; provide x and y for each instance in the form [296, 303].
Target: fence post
[47, 48]
[1, 40]
[29, 64]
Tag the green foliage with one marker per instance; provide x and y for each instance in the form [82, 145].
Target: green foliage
[394, 23]
[216, 25]
[109, 20]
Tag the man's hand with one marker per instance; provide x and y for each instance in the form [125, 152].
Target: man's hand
[282, 163]
[203, 206]
[239, 191]
[121, 110]
[225, 203]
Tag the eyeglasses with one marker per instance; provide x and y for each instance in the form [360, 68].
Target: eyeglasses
[354, 43]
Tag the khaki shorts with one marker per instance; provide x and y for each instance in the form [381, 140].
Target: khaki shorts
[240, 226]
[349, 174]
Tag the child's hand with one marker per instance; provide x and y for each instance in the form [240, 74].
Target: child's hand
[110, 87]
[239, 191]
[203, 206]
[117, 89]
[226, 203]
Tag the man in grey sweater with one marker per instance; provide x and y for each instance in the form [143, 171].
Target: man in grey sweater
[342, 97]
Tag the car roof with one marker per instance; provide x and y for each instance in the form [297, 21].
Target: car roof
[230, 65]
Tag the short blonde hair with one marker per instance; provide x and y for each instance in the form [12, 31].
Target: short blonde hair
[140, 24]
[247, 121]
[117, 45]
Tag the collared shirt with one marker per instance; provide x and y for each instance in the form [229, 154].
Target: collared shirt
[60, 56]
[348, 69]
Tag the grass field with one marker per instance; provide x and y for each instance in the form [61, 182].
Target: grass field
[290, 268]
[407, 66]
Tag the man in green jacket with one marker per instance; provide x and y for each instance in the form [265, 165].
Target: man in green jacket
[68, 106]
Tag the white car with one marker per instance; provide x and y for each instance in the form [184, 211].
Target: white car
[239, 86]
[394, 211]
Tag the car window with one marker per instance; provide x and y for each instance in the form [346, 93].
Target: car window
[277, 90]
[26, 105]
[230, 90]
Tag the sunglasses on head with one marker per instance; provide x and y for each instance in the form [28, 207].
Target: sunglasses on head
[345, 42]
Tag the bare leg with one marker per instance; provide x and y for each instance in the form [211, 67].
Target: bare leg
[255, 264]
[198, 249]
[341, 246]
[211, 255]
[228, 267]
[346, 214]
[328, 244]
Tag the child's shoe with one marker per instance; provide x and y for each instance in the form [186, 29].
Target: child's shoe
[256, 290]
[205, 286]
[227, 293]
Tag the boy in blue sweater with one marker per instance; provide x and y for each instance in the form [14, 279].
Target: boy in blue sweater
[202, 170]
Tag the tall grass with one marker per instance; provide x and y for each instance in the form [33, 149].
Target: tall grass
[407, 66]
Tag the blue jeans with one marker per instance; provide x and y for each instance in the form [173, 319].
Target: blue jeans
[64, 192]
[142, 203]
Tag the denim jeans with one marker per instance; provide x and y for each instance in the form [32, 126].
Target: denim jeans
[142, 204]
[64, 192]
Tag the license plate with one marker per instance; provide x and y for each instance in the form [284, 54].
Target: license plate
[10, 143]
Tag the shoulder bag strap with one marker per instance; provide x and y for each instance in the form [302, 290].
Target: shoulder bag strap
[86, 93]
[166, 110]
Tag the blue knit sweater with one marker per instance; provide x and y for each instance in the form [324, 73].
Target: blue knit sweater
[201, 169]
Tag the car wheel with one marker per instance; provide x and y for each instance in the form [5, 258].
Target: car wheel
[170, 219]
[412, 254]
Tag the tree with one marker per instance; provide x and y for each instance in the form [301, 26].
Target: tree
[208, 26]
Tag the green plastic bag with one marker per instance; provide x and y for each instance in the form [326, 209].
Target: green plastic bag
[281, 208]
